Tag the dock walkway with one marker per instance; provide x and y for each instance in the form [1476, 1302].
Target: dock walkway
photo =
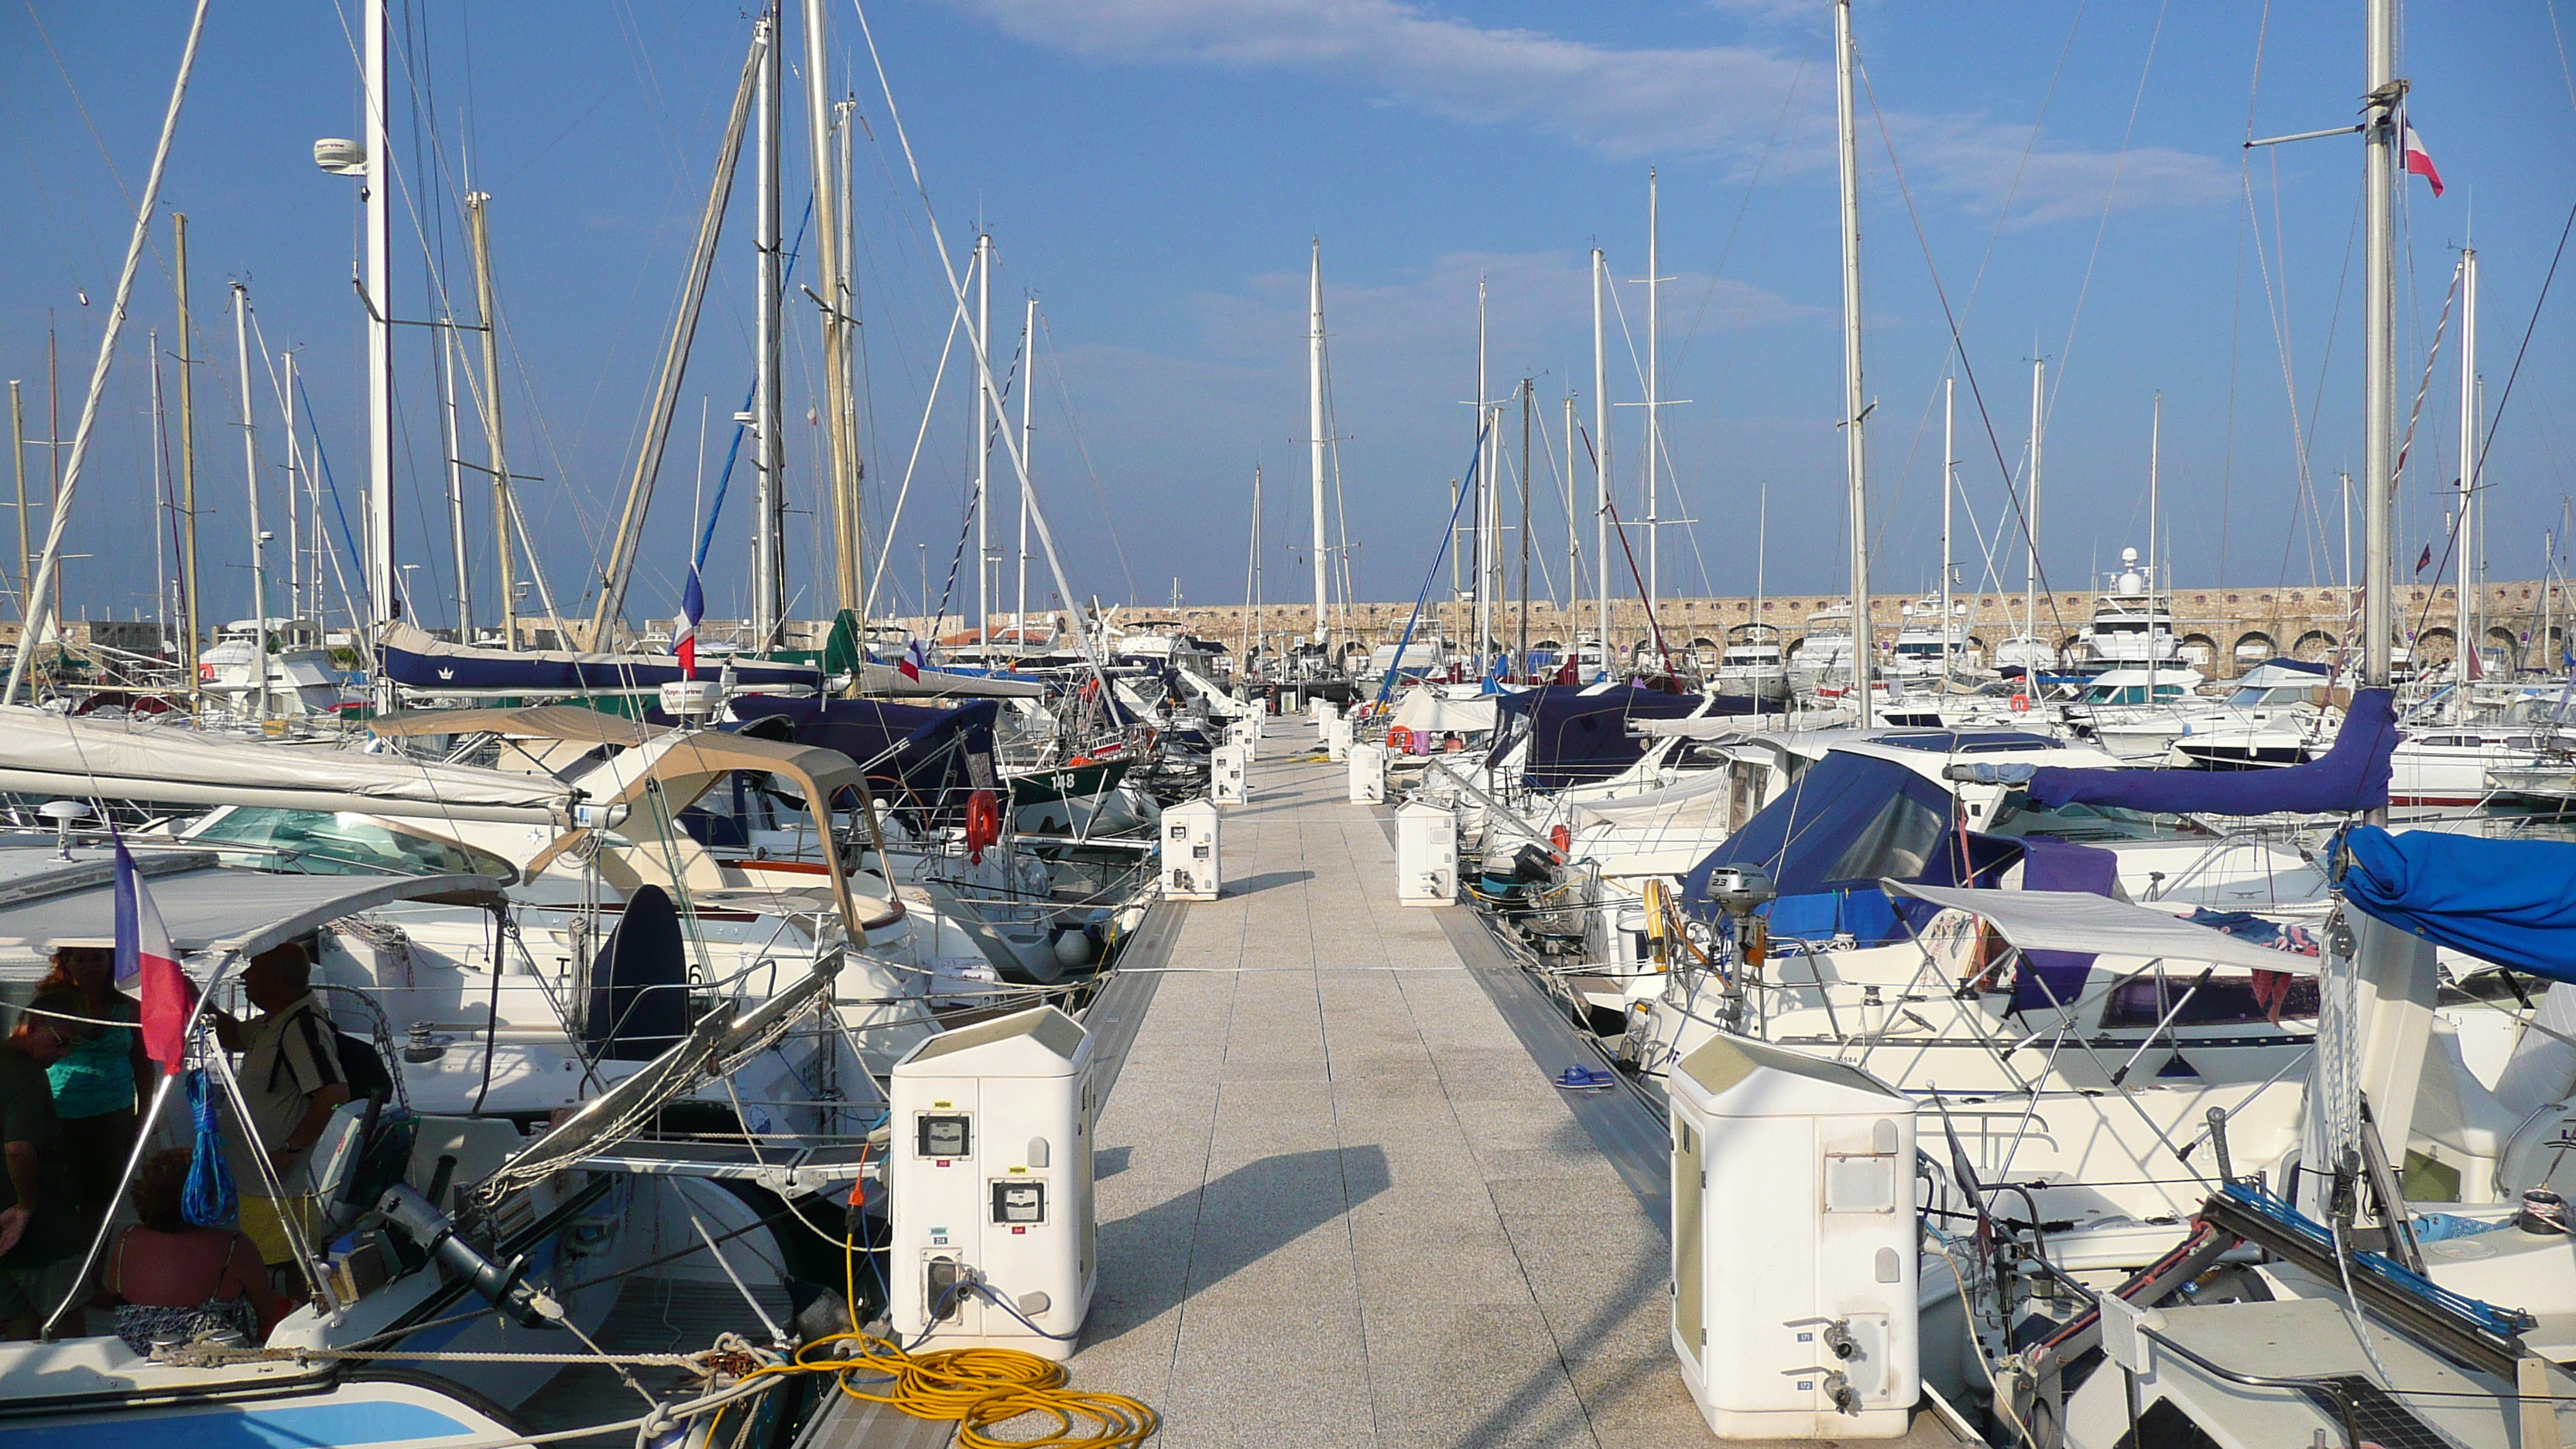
[1340, 1201]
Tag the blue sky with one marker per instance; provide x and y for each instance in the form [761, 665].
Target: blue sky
[1153, 170]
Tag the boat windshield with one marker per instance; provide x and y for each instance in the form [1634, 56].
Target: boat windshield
[2016, 817]
[323, 842]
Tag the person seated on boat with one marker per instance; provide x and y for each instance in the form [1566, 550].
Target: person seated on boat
[291, 1080]
[40, 1237]
[100, 1083]
[172, 1279]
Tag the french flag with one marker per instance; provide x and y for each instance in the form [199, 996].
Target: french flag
[684, 629]
[2410, 149]
[146, 958]
[916, 657]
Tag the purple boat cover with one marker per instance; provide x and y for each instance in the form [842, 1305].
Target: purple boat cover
[2056, 865]
[2352, 776]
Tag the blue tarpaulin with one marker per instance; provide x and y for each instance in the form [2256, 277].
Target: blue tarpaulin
[2510, 902]
[2352, 776]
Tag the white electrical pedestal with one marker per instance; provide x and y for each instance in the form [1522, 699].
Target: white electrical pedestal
[989, 1175]
[1814, 1336]
[1327, 714]
[1193, 864]
[1230, 774]
[1337, 739]
[1368, 773]
[1246, 733]
[1426, 855]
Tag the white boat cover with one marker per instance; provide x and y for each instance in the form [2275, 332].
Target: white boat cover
[43, 753]
[2074, 921]
[1425, 709]
[884, 681]
[1689, 795]
[219, 909]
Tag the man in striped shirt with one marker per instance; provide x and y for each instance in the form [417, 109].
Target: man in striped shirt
[291, 1080]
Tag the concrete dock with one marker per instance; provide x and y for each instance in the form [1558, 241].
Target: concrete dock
[1340, 1201]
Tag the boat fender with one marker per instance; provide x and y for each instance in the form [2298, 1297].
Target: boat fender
[983, 823]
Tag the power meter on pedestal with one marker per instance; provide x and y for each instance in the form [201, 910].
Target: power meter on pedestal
[994, 1240]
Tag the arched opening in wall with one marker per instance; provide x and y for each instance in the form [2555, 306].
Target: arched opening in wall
[2434, 646]
[2071, 647]
[2253, 647]
[1547, 644]
[2314, 645]
[2199, 650]
[2504, 650]
[2551, 649]
[1702, 641]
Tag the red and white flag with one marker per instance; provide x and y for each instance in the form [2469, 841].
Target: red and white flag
[146, 957]
[2410, 148]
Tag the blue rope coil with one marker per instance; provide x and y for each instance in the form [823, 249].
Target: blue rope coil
[209, 1201]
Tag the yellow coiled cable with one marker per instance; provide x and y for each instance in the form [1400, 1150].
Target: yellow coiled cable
[976, 1388]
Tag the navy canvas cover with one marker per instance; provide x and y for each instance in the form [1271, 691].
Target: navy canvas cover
[2509, 902]
[1577, 738]
[918, 759]
[463, 668]
[2056, 978]
[2353, 776]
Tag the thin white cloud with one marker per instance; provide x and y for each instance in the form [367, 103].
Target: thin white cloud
[1714, 103]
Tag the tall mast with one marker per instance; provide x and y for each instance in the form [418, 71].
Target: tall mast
[1484, 490]
[294, 491]
[476, 204]
[1949, 489]
[1252, 575]
[2464, 629]
[984, 446]
[1526, 391]
[768, 429]
[1600, 471]
[1654, 387]
[2155, 461]
[2379, 338]
[2030, 529]
[382, 601]
[841, 496]
[1573, 540]
[188, 620]
[1864, 645]
[160, 495]
[1028, 394]
[1315, 418]
[258, 539]
[18, 437]
[455, 484]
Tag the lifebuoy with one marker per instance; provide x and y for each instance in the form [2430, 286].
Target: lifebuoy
[1561, 838]
[1399, 740]
[983, 823]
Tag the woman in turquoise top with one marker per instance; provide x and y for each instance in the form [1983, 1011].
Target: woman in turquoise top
[100, 1083]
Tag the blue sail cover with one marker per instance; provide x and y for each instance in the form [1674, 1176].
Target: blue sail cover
[918, 759]
[1577, 737]
[415, 660]
[2510, 902]
[2352, 776]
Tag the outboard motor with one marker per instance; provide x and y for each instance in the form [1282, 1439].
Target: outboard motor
[434, 1233]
